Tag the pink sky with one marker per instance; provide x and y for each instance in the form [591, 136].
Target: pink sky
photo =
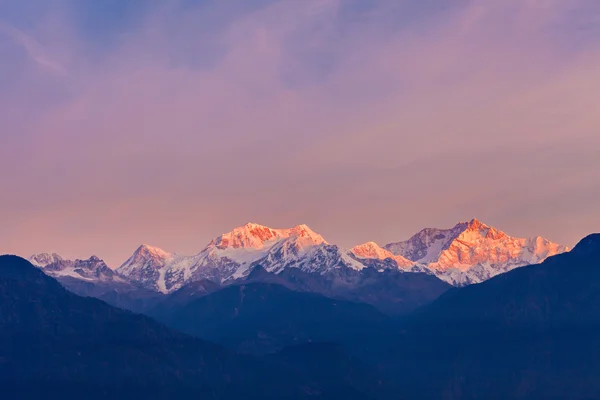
[363, 124]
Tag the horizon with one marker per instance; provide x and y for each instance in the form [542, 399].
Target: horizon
[167, 122]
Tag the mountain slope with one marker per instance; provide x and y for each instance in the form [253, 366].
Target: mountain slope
[54, 343]
[389, 290]
[472, 252]
[262, 317]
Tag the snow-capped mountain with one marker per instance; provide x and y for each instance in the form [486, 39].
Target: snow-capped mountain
[472, 252]
[91, 270]
[147, 266]
[232, 255]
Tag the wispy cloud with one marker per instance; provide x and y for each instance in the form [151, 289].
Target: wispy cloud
[34, 49]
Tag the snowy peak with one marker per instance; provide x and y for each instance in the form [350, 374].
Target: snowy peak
[474, 230]
[254, 243]
[144, 262]
[92, 269]
[372, 250]
[472, 251]
[304, 232]
[44, 259]
[144, 256]
[146, 252]
[428, 245]
[474, 225]
[255, 236]
[250, 235]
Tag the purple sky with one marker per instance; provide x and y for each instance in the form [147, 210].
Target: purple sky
[169, 123]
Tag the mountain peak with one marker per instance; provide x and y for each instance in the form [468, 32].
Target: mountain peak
[302, 227]
[147, 251]
[472, 251]
[44, 259]
[304, 231]
[473, 225]
[251, 226]
[250, 235]
[371, 250]
[475, 229]
[255, 236]
[476, 224]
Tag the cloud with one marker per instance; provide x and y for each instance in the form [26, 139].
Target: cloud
[365, 123]
[34, 49]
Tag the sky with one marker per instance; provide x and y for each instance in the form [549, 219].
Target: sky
[171, 122]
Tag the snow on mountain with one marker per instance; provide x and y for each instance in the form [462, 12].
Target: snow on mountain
[308, 255]
[472, 252]
[372, 250]
[232, 255]
[43, 259]
[249, 236]
[146, 266]
[92, 269]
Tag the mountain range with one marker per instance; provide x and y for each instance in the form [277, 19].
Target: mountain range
[470, 252]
